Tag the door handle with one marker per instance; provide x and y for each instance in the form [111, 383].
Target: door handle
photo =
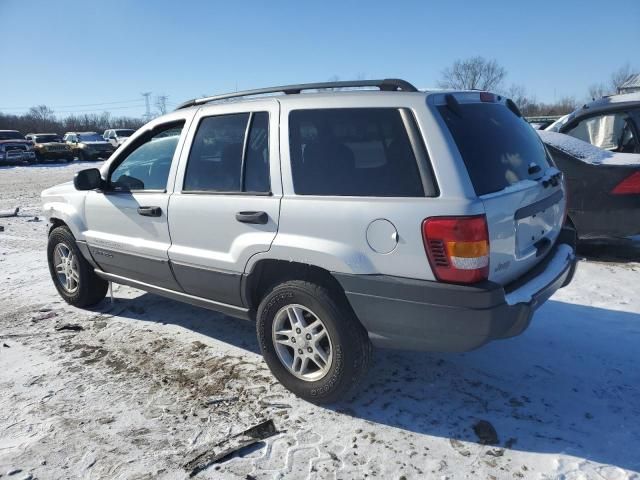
[252, 217]
[150, 211]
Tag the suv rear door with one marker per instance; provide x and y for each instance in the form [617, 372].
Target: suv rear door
[226, 203]
[510, 171]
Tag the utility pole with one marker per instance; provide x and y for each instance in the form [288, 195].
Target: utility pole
[147, 115]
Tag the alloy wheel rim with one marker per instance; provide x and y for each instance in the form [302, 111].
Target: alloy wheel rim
[302, 342]
[66, 268]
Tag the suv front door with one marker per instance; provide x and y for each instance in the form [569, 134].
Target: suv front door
[226, 203]
[127, 231]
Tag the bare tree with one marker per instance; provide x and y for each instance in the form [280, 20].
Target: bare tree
[161, 104]
[475, 73]
[42, 116]
[526, 103]
[619, 77]
[598, 90]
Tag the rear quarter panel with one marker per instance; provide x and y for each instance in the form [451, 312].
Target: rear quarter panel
[331, 231]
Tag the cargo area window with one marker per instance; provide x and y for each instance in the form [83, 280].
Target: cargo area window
[230, 154]
[498, 147]
[353, 152]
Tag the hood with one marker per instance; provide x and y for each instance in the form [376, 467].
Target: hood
[16, 140]
[97, 142]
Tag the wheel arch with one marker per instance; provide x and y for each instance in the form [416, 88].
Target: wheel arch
[267, 273]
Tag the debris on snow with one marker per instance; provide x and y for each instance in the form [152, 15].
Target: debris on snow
[34, 219]
[486, 433]
[44, 316]
[215, 400]
[212, 453]
[459, 447]
[9, 213]
[73, 327]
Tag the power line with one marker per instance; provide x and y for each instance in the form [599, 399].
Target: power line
[128, 107]
[72, 106]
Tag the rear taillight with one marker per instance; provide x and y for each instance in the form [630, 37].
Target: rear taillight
[628, 186]
[457, 247]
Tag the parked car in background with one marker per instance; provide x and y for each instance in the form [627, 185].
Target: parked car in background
[50, 147]
[88, 145]
[14, 148]
[604, 187]
[542, 122]
[117, 136]
[324, 217]
[611, 123]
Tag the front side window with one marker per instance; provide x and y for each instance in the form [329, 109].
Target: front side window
[610, 132]
[352, 152]
[223, 160]
[146, 167]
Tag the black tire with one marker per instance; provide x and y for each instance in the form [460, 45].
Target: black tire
[82, 156]
[91, 289]
[351, 348]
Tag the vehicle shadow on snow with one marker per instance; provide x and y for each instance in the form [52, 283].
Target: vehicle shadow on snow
[569, 384]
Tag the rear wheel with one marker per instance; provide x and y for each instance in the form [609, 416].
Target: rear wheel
[72, 275]
[312, 341]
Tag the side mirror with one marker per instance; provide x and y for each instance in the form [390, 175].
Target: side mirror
[89, 179]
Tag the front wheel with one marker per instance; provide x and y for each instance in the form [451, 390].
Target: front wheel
[312, 341]
[72, 275]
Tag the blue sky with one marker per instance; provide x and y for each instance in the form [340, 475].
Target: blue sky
[68, 53]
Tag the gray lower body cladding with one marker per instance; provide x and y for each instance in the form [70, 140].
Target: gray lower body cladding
[433, 316]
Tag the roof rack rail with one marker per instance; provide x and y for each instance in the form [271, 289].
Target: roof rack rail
[388, 84]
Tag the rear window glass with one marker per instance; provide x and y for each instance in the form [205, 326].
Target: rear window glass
[497, 146]
[352, 152]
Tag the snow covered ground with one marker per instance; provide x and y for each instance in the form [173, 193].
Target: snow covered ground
[147, 381]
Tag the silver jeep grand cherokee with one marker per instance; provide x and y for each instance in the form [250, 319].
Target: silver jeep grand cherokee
[335, 220]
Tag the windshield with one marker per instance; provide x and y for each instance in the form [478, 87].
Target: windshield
[90, 137]
[124, 133]
[47, 138]
[497, 146]
[557, 125]
[11, 135]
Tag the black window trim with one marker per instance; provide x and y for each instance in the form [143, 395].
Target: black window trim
[245, 142]
[425, 167]
[142, 139]
[416, 141]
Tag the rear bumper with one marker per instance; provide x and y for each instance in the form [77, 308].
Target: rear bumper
[434, 316]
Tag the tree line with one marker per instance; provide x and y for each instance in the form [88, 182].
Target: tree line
[472, 73]
[42, 119]
[480, 73]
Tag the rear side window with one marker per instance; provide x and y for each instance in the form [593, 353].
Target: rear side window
[497, 146]
[223, 160]
[352, 152]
